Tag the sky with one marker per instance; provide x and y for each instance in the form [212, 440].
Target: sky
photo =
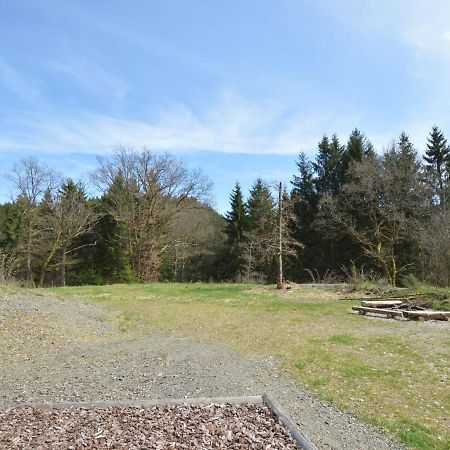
[235, 87]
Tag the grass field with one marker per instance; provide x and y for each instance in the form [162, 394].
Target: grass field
[389, 373]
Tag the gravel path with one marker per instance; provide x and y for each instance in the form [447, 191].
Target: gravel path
[56, 350]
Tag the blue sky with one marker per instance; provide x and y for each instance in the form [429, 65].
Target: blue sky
[237, 87]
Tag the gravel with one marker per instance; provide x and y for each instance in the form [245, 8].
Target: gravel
[158, 427]
[53, 350]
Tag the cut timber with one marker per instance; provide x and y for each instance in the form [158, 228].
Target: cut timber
[413, 315]
[385, 312]
[427, 315]
[381, 303]
[409, 297]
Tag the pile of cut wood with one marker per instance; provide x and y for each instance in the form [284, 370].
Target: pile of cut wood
[398, 308]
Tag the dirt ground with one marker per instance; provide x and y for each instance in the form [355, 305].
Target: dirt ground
[66, 351]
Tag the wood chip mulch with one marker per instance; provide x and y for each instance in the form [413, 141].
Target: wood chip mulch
[158, 427]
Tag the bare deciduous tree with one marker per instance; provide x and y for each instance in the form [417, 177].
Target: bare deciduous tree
[381, 207]
[270, 239]
[31, 179]
[67, 216]
[146, 191]
[435, 243]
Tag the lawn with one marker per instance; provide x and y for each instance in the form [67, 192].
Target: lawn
[389, 373]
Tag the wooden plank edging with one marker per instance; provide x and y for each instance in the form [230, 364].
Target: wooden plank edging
[255, 400]
[302, 441]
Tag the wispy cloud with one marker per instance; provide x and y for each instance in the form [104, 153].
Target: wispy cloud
[233, 125]
[18, 83]
[93, 78]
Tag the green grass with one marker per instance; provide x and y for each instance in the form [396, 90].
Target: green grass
[388, 373]
[344, 339]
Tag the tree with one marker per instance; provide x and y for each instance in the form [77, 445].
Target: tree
[237, 222]
[196, 241]
[146, 191]
[66, 217]
[435, 246]
[284, 241]
[328, 166]
[437, 157]
[257, 255]
[358, 148]
[305, 207]
[381, 207]
[32, 180]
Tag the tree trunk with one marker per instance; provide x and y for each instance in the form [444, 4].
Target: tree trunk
[175, 268]
[45, 266]
[63, 266]
[393, 274]
[28, 272]
[280, 283]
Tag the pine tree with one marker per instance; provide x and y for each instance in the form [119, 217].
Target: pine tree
[437, 157]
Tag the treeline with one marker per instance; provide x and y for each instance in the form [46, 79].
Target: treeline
[151, 222]
[348, 209]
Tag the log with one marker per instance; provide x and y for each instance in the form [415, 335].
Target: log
[381, 303]
[427, 315]
[386, 312]
[408, 297]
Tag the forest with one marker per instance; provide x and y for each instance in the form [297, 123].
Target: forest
[350, 209]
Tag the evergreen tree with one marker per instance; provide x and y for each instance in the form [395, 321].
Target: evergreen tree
[328, 166]
[258, 255]
[260, 205]
[237, 221]
[236, 217]
[437, 157]
[305, 198]
[358, 147]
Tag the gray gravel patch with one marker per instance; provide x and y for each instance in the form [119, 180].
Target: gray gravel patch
[58, 350]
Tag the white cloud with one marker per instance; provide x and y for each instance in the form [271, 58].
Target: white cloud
[232, 125]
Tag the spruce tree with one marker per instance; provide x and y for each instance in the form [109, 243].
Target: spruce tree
[260, 205]
[261, 223]
[322, 165]
[437, 157]
[306, 200]
[236, 217]
[358, 148]
[328, 166]
[235, 229]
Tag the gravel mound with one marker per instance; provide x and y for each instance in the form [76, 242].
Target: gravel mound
[54, 350]
[158, 427]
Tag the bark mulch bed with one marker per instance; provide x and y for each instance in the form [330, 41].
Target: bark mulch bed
[215, 426]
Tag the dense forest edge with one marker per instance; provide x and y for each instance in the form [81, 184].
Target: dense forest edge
[349, 213]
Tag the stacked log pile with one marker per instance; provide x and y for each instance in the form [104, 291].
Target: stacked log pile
[397, 308]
